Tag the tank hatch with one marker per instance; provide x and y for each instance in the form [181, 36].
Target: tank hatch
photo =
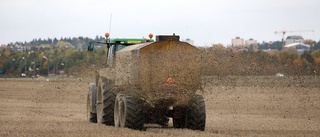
[167, 38]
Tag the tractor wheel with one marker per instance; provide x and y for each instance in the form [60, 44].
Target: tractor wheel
[196, 114]
[179, 121]
[128, 112]
[105, 103]
[91, 103]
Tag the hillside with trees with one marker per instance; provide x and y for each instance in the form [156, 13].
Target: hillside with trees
[48, 56]
[68, 56]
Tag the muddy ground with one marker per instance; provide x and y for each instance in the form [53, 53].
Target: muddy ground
[236, 106]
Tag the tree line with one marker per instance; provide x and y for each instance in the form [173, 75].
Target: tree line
[218, 60]
[54, 56]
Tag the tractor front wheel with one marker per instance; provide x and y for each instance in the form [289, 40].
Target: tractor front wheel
[91, 103]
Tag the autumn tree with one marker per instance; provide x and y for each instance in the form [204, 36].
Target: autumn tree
[287, 55]
[7, 52]
[308, 57]
[316, 54]
[311, 43]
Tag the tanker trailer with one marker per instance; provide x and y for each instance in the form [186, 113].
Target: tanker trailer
[148, 83]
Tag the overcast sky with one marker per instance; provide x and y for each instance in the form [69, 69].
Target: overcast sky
[204, 21]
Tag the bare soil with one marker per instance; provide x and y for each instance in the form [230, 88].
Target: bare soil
[236, 106]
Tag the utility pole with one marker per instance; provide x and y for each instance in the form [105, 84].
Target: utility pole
[25, 64]
[48, 64]
[34, 67]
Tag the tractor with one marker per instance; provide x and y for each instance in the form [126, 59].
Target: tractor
[148, 81]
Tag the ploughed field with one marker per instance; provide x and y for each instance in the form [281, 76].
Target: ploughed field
[236, 106]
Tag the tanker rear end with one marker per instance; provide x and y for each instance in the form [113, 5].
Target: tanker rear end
[166, 72]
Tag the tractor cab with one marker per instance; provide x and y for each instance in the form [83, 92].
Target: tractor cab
[117, 44]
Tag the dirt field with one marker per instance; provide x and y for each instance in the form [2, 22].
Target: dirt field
[236, 106]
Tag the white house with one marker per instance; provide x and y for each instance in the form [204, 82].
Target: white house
[300, 47]
[294, 39]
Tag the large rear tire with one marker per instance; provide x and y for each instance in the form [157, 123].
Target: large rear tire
[128, 112]
[105, 103]
[196, 113]
[91, 103]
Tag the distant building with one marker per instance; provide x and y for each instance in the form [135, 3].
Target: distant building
[294, 39]
[300, 47]
[189, 41]
[237, 42]
[251, 42]
[296, 42]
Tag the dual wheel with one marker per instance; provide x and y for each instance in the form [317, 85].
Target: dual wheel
[125, 110]
[121, 110]
[193, 116]
[128, 112]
